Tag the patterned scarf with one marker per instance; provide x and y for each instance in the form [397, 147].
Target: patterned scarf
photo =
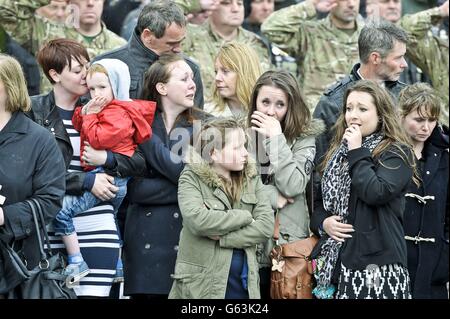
[336, 184]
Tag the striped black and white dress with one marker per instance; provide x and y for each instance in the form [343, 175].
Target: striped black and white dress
[96, 230]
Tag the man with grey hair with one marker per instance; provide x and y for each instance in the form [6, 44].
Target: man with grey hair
[160, 29]
[382, 48]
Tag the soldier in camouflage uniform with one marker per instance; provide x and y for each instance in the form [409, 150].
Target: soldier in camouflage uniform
[430, 52]
[31, 30]
[325, 49]
[203, 42]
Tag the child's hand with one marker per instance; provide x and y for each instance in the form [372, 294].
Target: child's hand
[95, 105]
[93, 157]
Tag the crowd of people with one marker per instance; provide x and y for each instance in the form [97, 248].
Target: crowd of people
[163, 138]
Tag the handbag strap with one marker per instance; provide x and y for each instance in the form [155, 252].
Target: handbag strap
[34, 204]
[276, 229]
[44, 228]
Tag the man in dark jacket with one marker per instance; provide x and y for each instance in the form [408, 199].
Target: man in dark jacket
[160, 29]
[26, 60]
[382, 48]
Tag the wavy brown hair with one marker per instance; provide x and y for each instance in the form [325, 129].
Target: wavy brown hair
[421, 97]
[390, 126]
[298, 116]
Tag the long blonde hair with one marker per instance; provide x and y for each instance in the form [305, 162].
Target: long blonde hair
[242, 59]
[11, 75]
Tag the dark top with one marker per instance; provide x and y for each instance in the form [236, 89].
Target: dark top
[428, 262]
[26, 60]
[376, 207]
[30, 167]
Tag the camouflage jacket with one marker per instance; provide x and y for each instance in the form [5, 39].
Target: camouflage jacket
[430, 53]
[202, 44]
[324, 53]
[27, 28]
[31, 31]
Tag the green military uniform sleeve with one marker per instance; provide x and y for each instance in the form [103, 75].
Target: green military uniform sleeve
[324, 53]
[282, 26]
[189, 6]
[429, 53]
[417, 25]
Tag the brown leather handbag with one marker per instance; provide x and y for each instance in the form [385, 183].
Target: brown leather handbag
[292, 274]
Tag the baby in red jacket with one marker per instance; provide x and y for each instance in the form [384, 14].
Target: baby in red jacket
[110, 121]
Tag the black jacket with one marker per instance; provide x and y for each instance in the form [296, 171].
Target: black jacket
[139, 58]
[153, 221]
[428, 262]
[28, 63]
[331, 105]
[376, 207]
[30, 167]
[45, 113]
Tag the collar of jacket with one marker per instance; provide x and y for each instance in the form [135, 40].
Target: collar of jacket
[204, 171]
[139, 50]
[439, 137]
[101, 37]
[17, 124]
[45, 106]
[356, 77]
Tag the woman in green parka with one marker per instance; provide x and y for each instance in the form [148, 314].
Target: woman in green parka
[285, 148]
[226, 213]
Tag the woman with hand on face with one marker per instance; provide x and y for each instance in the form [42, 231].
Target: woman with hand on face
[237, 68]
[427, 205]
[285, 148]
[359, 208]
